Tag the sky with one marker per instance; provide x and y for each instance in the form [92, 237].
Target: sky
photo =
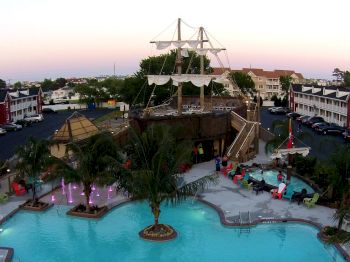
[74, 38]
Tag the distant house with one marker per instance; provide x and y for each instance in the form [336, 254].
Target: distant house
[330, 102]
[15, 105]
[267, 82]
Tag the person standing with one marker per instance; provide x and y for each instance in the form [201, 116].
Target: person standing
[217, 163]
[200, 152]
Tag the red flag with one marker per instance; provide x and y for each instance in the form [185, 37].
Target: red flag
[290, 139]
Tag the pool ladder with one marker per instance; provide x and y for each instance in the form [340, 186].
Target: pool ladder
[245, 218]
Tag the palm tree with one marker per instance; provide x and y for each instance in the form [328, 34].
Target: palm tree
[33, 158]
[156, 157]
[95, 161]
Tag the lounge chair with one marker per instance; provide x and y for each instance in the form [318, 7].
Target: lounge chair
[278, 193]
[3, 198]
[19, 190]
[310, 202]
[289, 192]
[259, 187]
[246, 184]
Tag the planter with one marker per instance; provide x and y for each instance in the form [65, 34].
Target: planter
[161, 233]
[38, 206]
[96, 212]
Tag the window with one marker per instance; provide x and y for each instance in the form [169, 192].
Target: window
[34, 98]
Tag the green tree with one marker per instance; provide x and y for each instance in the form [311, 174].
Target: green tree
[60, 82]
[2, 84]
[156, 156]
[48, 84]
[347, 79]
[18, 85]
[97, 162]
[244, 82]
[137, 91]
[338, 74]
[286, 82]
[33, 158]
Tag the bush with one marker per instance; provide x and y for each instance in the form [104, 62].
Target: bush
[305, 166]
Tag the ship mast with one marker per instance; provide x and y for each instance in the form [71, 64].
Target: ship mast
[179, 69]
[201, 96]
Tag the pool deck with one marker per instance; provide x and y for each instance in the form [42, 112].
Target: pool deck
[234, 202]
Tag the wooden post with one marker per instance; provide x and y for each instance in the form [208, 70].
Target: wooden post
[201, 96]
[179, 69]
[289, 172]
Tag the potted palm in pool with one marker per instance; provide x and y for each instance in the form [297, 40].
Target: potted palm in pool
[34, 157]
[156, 157]
[93, 161]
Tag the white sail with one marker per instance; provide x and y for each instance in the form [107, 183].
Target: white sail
[197, 80]
[165, 44]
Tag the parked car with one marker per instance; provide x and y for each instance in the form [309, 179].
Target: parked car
[312, 120]
[330, 129]
[293, 115]
[48, 110]
[23, 122]
[11, 127]
[272, 108]
[301, 118]
[2, 131]
[35, 118]
[346, 135]
[316, 125]
[279, 110]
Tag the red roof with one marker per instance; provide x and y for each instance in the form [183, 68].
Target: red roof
[260, 72]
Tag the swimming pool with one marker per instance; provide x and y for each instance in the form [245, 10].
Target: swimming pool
[53, 236]
[270, 177]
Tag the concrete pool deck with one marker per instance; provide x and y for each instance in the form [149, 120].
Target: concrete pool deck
[234, 201]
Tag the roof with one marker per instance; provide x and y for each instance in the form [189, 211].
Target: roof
[298, 88]
[268, 74]
[219, 70]
[76, 127]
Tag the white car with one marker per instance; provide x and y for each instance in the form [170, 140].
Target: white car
[2, 131]
[34, 118]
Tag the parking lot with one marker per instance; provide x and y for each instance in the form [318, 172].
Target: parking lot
[44, 130]
[322, 146]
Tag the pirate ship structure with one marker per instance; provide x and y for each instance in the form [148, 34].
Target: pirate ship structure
[221, 128]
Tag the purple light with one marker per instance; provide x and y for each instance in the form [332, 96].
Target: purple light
[63, 186]
[82, 194]
[74, 187]
[97, 194]
[110, 189]
[91, 198]
[70, 198]
[93, 188]
[53, 199]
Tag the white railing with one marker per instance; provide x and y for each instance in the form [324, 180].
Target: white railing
[245, 140]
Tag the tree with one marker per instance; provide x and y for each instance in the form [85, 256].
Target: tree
[97, 162]
[48, 84]
[18, 85]
[156, 156]
[60, 82]
[33, 158]
[346, 79]
[285, 81]
[137, 91]
[2, 84]
[244, 82]
[338, 74]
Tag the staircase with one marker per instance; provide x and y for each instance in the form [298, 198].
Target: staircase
[240, 149]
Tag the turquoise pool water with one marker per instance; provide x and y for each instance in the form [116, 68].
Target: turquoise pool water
[270, 177]
[53, 236]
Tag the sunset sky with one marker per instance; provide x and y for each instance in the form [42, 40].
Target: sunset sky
[72, 38]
